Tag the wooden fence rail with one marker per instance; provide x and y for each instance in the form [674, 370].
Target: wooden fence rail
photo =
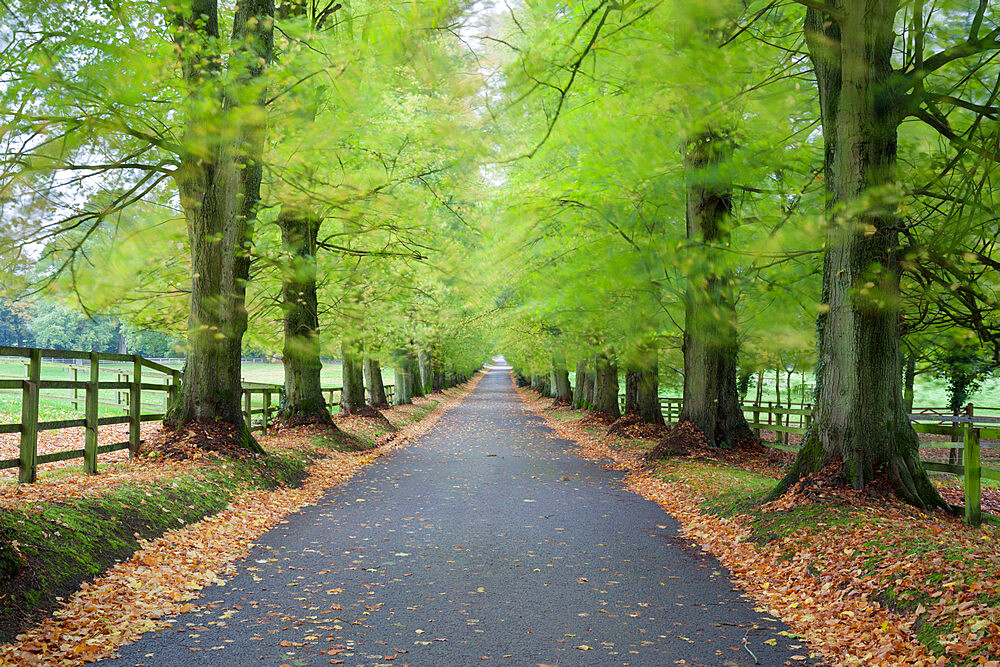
[270, 400]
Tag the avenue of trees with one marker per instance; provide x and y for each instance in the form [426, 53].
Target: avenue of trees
[719, 188]
[663, 191]
[282, 176]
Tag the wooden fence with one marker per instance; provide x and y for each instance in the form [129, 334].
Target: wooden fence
[265, 400]
[966, 432]
[31, 387]
[129, 391]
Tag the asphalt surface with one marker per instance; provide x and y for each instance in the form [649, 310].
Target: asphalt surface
[486, 541]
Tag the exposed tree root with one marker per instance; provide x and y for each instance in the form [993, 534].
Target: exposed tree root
[295, 419]
[599, 418]
[903, 475]
[370, 414]
[684, 439]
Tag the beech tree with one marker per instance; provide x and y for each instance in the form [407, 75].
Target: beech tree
[861, 420]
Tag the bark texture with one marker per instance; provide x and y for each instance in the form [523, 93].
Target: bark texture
[373, 383]
[561, 390]
[416, 384]
[588, 389]
[606, 387]
[642, 389]
[402, 380]
[424, 363]
[861, 419]
[579, 397]
[219, 185]
[711, 346]
[352, 397]
[304, 402]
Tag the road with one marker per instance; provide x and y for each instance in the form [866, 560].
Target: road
[486, 541]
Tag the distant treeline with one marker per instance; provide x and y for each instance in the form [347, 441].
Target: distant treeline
[52, 325]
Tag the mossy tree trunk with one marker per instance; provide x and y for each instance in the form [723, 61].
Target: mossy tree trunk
[606, 387]
[861, 419]
[424, 364]
[374, 384]
[304, 402]
[579, 394]
[561, 390]
[402, 379]
[642, 387]
[352, 396]
[219, 185]
[416, 384]
[710, 346]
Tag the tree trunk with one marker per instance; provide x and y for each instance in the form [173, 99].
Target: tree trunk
[631, 390]
[304, 402]
[606, 387]
[861, 420]
[374, 385]
[588, 389]
[642, 388]
[579, 398]
[352, 396]
[710, 345]
[424, 362]
[910, 376]
[219, 188]
[561, 390]
[416, 385]
[402, 379]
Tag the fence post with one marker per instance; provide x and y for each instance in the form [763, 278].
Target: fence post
[90, 417]
[756, 419]
[246, 409]
[27, 467]
[76, 391]
[135, 406]
[175, 380]
[28, 454]
[973, 495]
[267, 408]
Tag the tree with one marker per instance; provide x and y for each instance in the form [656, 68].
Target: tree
[219, 184]
[861, 420]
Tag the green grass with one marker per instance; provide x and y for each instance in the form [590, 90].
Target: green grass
[65, 543]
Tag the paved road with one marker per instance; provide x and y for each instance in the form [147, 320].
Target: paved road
[485, 542]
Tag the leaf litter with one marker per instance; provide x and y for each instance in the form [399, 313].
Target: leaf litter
[166, 575]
